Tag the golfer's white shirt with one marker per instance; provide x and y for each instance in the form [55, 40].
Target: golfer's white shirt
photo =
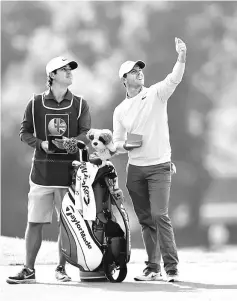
[146, 114]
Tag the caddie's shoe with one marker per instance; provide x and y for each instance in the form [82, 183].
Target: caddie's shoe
[61, 274]
[149, 274]
[172, 276]
[26, 275]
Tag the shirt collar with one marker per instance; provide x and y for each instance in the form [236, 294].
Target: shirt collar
[49, 95]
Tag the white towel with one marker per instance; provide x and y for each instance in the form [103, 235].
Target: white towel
[84, 195]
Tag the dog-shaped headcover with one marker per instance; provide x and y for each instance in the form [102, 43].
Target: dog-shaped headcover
[102, 142]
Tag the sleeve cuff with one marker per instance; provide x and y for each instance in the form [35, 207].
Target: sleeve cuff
[119, 147]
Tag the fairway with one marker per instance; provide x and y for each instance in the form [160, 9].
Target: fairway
[205, 276]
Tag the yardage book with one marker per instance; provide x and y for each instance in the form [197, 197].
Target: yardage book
[133, 140]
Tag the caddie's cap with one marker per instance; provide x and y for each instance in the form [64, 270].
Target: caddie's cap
[128, 65]
[59, 62]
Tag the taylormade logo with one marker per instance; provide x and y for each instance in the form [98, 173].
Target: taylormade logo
[84, 184]
[81, 231]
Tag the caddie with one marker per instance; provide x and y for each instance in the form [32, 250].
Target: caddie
[52, 124]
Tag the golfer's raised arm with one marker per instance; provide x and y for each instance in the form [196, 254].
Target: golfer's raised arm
[167, 86]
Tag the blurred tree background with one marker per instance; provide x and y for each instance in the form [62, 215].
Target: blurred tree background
[101, 35]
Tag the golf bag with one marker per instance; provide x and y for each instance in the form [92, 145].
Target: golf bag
[100, 248]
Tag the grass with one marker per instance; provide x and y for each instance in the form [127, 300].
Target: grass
[12, 251]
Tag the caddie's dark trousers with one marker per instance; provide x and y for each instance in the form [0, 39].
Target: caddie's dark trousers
[149, 189]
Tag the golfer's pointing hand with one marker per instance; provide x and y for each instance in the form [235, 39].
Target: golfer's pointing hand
[181, 49]
[180, 46]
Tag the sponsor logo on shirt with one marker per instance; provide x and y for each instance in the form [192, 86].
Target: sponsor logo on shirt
[144, 96]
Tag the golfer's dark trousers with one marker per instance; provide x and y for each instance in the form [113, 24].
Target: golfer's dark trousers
[149, 189]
